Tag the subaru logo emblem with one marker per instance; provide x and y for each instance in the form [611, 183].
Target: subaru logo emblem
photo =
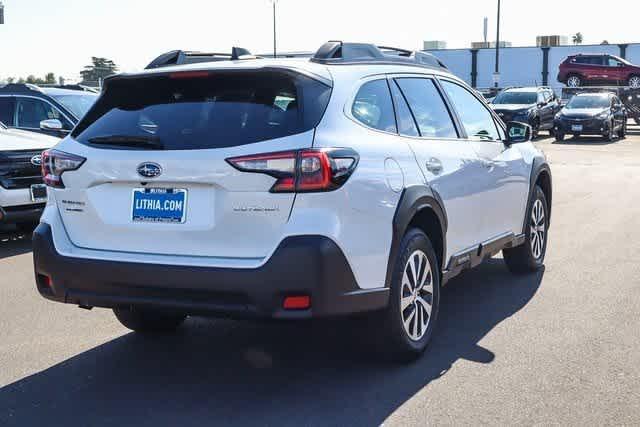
[36, 160]
[149, 170]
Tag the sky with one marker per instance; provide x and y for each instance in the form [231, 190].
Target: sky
[61, 36]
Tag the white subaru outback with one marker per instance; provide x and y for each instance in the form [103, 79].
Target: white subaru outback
[360, 180]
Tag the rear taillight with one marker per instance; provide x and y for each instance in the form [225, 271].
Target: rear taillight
[55, 163]
[302, 171]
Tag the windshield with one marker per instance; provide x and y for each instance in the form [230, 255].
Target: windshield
[524, 98]
[223, 109]
[78, 104]
[588, 102]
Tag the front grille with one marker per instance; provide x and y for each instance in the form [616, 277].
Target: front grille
[17, 171]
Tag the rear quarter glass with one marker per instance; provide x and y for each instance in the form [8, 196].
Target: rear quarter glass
[207, 111]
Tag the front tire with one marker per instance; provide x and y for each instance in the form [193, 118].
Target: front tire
[622, 133]
[410, 318]
[148, 320]
[611, 134]
[559, 136]
[529, 257]
[634, 82]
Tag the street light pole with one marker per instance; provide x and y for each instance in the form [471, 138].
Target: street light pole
[273, 2]
[1, 13]
[497, 72]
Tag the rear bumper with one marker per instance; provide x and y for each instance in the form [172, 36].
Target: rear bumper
[311, 266]
[24, 213]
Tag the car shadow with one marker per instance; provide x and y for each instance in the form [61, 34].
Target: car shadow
[587, 140]
[237, 373]
[13, 243]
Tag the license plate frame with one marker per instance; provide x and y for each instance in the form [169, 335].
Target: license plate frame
[36, 193]
[576, 128]
[148, 211]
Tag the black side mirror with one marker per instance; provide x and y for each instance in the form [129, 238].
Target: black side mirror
[518, 132]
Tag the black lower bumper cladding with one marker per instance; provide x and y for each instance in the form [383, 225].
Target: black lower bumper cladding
[311, 266]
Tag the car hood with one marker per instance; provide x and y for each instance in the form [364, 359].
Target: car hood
[510, 108]
[13, 139]
[583, 112]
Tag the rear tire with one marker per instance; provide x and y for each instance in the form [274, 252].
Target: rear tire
[148, 320]
[529, 257]
[406, 325]
[574, 81]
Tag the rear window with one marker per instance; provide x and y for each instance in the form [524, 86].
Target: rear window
[217, 110]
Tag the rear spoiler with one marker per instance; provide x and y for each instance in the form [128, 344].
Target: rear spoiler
[178, 57]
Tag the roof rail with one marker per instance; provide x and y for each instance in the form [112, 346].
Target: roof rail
[20, 87]
[338, 52]
[178, 57]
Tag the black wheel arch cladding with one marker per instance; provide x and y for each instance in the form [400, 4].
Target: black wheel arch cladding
[540, 176]
[417, 202]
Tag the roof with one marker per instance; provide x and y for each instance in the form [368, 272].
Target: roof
[26, 88]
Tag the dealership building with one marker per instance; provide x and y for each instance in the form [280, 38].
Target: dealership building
[523, 66]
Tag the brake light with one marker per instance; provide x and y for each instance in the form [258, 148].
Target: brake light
[55, 163]
[189, 74]
[302, 171]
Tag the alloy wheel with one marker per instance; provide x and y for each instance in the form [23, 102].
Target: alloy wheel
[573, 81]
[416, 295]
[538, 229]
[634, 82]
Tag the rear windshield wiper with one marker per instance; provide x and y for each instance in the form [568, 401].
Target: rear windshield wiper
[128, 141]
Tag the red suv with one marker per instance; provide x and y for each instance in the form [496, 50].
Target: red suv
[581, 70]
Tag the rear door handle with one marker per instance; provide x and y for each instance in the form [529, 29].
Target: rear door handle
[434, 166]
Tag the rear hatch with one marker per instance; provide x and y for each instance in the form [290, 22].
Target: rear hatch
[157, 180]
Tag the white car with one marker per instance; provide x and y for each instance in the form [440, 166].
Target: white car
[22, 192]
[355, 181]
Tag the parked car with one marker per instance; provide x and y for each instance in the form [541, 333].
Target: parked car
[535, 106]
[351, 182]
[579, 70]
[592, 114]
[22, 192]
[47, 110]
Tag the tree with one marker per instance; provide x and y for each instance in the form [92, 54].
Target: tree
[605, 42]
[98, 70]
[577, 38]
[50, 78]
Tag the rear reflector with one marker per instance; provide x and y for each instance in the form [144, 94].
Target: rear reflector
[297, 303]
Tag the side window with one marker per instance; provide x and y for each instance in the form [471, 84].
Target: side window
[373, 106]
[406, 123]
[428, 107]
[475, 117]
[6, 111]
[30, 112]
[597, 60]
[612, 62]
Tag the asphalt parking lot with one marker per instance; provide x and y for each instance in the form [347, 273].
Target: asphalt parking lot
[558, 347]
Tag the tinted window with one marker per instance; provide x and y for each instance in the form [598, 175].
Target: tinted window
[476, 118]
[513, 97]
[225, 109]
[589, 101]
[589, 60]
[6, 111]
[373, 106]
[30, 112]
[406, 124]
[428, 108]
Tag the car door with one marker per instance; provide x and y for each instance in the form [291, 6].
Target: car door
[615, 71]
[504, 184]
[30, 112]
[449, 163]
[545, 110]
